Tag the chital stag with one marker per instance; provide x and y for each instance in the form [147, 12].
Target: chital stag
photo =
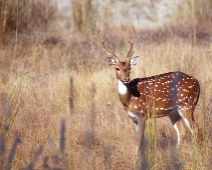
[173, 94]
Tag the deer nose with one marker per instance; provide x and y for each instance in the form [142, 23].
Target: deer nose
[126, 79]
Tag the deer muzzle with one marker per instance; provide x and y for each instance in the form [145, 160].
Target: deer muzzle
[126, 80]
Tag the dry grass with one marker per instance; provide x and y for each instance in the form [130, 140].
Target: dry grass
[60, 108]
[98, 133]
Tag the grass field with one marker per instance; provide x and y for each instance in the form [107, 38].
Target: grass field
[60, 106]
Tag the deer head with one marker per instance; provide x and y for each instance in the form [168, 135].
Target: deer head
[122, 67]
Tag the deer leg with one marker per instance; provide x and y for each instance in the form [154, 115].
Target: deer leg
[142, 145]
[179, 127]
[141, 128]
[181, 131]
[139, 122]
[188, 119]
[135, 120]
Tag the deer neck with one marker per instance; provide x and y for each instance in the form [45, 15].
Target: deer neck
[124, 94]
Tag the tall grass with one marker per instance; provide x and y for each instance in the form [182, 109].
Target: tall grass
[98, 133]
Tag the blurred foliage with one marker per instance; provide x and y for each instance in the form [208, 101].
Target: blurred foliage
[83, 14]
[194, 12]
[25, 15]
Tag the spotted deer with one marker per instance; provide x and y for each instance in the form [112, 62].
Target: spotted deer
[173, 94]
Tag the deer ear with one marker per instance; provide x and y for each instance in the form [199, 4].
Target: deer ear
[134, 60]
[111, 61]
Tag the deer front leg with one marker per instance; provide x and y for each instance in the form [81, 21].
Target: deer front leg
[139, 122]
[135, 120]
[142, 144]
[141, 140]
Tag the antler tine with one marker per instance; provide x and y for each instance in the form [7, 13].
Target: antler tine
[130, 53]
[103, 45]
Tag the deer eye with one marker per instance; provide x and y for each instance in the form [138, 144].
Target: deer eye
[118, 69]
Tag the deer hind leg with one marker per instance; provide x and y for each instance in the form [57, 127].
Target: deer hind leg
[188, 119]
[179, 127]
[181, 131]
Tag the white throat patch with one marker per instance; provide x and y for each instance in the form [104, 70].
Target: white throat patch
[122, 88]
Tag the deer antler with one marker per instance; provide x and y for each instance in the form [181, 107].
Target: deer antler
[130, 53]
[103, 45]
